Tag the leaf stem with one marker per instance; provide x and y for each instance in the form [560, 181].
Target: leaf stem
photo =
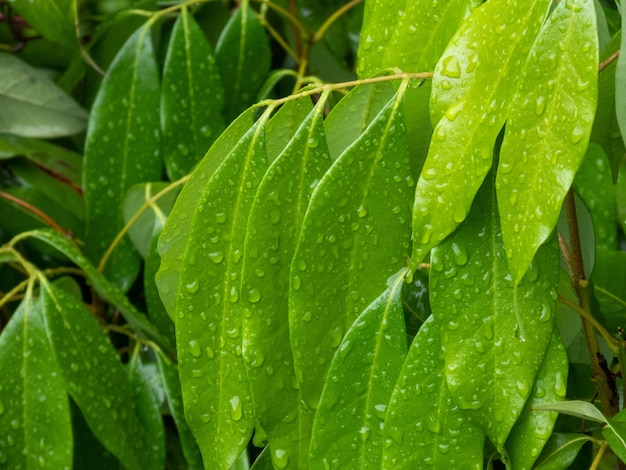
[599, 455]
[38, 212]
[609, 398]
[608, 61]
[612, 342]
[319, 34]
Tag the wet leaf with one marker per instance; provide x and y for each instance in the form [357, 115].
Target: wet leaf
[93, 375]
[548, 130]
[243, 56]
[579, 409]
[191, 98]
[272, 232]
[34, 409]
[505, 342]
[423, 426]
[615, 434]
[53, 19]
[283, 126]
[473, 85]
[122, 149]
[173, 396]
[32, 105]
[354, 236]
[215, 387]
[533, 428]
[173, 241]
[561, 451]
[349, 421]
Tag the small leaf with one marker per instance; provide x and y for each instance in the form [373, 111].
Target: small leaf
[533, 428]
[577, 408]
[473, 85]
[615, 434]
[272, 232]
[31, 105]
[173, 240]
[546, 135]
[350, 419]
[243, 56]
[503, 330]
[191, 98]
[93, 375]
[35, 428]
[561, 451]
[122, 149]
[215, 387]
[53, 19]
[423, 425]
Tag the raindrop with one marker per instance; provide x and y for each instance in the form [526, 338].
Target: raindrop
[236, 408]
[540, 105]
[192, 287]
[233, 295]
[459, 254]
[577, 135]
[216, 256]
[194, 348]
[361, 211]
[254, 295]
[451, 67]
[280, 458]
[440, 134]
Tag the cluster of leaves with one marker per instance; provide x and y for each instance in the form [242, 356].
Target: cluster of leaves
[413, 274]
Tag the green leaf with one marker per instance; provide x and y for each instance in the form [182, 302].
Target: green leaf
[271, 235]
[173, 240]
[156, 311]
[102, 286]
[216, 392]
[122, 149]
[423, 425]
[34, 410]
[191, 98]
[350, 419]
[609, 285]
[615, 434]
[620, 79]
[53, 19]
[243, 56]
[533, 428]
[354, 236]
[501, 329]
[283, 126]
[594, 184]
[31, 105]
[577, 408]
[152, 219]
[473, 85]
[561, 451]
[548, 130]
[620, 196]
[93, 375]
[173, 396]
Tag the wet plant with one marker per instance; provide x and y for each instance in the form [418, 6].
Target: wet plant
[301, 234]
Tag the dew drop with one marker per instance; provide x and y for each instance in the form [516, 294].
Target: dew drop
[194, 348]
[451, 67]
[233, 295]
[254, 295]
[577, 135]
[540, 105]
[216, 256]
[236, 408]
[192, 287]
[459, 254]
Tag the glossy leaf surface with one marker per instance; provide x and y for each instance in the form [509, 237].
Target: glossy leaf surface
[243, 57]
[548, 130]
[272, 233]
[533, 428]
[122, 149]
[349, 422]
[423, 426]
[35, 428]
[173, 241]
[615, 434]
[354, 236]
[93, 375]
[506, 341]
[32, 105]
[191, 98]
[577, 408]
[561, 451]
[208, 317]
[472, 90]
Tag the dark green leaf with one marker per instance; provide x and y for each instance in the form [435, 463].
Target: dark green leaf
[53, 19]
[546, 134]
[560, 451]
[349, 422]
[35, 430]
[31, 105]
[122, 149]
[423, 426]
[609, 284]
[156, 311]
[501, 329]
[243, 56]
[615, 434]
[191, 99]
[93, 375]
[620, 79]
[272, 232]
[473, 86]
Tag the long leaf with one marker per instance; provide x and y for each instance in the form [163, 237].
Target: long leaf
[473, 85]
[354, 236]
[53, 19]
[349, 422]
[561, 451]
[548, 130]
[215, 387]
[35, 427]
[423, 426]
[122, 149]
[487, 322]
[620, 79]
[191, 98]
